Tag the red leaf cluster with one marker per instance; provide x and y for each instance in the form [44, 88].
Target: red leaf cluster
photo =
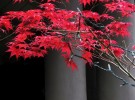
[49, 27]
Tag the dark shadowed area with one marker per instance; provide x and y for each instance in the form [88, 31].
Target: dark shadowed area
[19, 79]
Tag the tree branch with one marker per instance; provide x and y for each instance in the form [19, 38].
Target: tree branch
[109, 69]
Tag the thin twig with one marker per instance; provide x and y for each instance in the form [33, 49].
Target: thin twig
[109, 69]
[6, 37]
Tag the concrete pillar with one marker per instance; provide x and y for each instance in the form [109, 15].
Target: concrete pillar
[61, 83]
[109, 86]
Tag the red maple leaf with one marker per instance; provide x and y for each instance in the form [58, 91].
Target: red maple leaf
[88, 56]
[66, 49]
[14, 51]
[5, 22]
[71, 63]
[117, 51]
[118, 28]
[20, 37]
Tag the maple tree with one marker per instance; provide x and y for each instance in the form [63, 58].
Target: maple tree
[49, 27]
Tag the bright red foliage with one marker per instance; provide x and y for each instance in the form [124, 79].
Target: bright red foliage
[124, 7]
[65, 30]
[117, 51]
[5, 22]
[118, 28]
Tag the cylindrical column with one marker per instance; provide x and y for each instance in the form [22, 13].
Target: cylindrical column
[109, 86]
[61, 83]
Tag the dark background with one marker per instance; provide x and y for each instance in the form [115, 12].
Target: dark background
[22, 79]
[19, 79]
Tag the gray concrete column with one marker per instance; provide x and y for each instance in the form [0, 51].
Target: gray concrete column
[61, 83]
[109, 86]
